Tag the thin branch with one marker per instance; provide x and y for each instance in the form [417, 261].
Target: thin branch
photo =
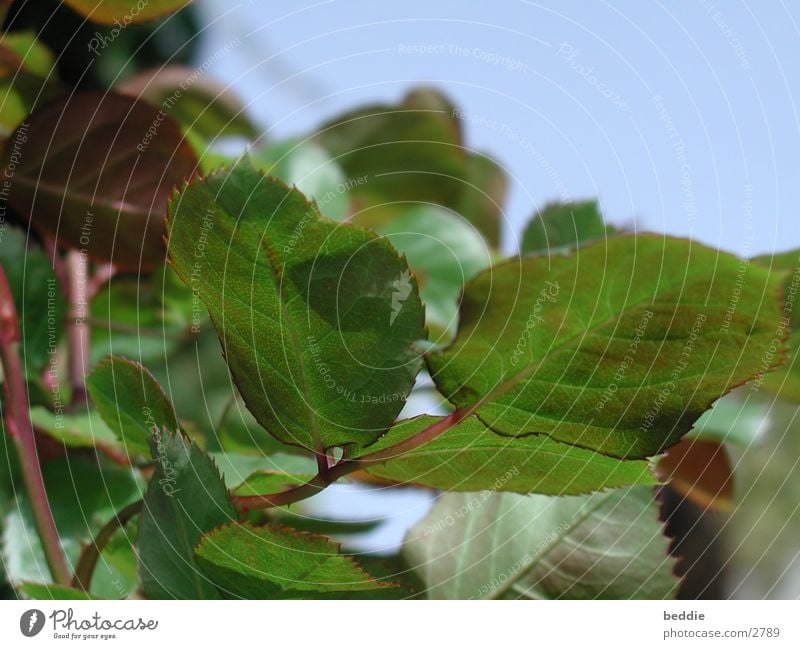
[323, 463]
[77, 325]
[345, 467]
[91, 553]
[18, 424]
[102, 276]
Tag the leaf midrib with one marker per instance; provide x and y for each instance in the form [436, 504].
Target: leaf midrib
[60, 191]
[523, 571]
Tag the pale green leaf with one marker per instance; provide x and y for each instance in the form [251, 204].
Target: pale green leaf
[76, 429]
[33, 590]
[734, 419]
[502, 546]
[484, 194]
[84, 494]
[311, 169]
[444, 251]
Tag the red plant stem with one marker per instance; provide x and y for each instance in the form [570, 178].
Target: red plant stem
[102, 276]
[91, 553]
[345, 467]
[77, 325]
[322, 462]
[18, 424]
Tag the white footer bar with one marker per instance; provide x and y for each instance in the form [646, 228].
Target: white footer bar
[349, 624]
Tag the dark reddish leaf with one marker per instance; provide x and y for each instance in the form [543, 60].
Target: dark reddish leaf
[201, 104]
[94, 171]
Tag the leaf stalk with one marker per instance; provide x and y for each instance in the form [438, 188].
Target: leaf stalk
[344, 467]
[18, 424]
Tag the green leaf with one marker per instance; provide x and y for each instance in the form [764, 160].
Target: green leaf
[116, 575]
[563, 226]
[432, 100]
[27, 79]
[396, 153]
[131, 402]
[501, 546]
[8, 467]
[74, 429]
[785, 381]
[266, 482]
[618, 348]
[95, 172]
[443, 251]
[84, 494]
[308, 166]
[196, 101]
[317, 319]
[37, 298]
[395, 570]
[275, 562]
[33, 590]
[240, 433]
[414, 152]
[186, 497]
[483, 195]
[402, 153]
[23, 51]
[124, 12]
[471, 457]
[236, 468]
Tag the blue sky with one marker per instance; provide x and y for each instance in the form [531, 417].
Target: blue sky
[679, 117]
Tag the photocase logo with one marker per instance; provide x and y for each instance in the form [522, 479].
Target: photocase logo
[31, 622]
[402, 289]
